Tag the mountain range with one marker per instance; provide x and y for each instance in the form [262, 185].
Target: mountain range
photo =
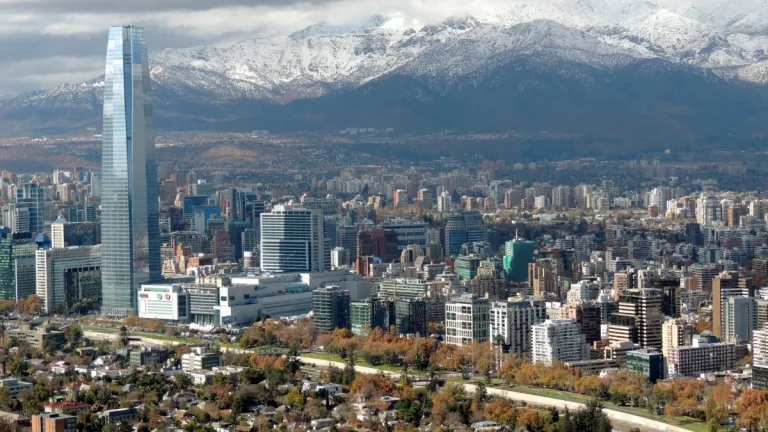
[654, 70]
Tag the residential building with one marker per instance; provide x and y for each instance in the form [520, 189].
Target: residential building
[558, 340]
[676, 333]
[511, 322]
[724, 286]
[588, 316]
[739, 319]
[15, 386]
[130, 204]
[701, 357]
[467, 320]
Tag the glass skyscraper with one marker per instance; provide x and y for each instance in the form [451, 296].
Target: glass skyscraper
[130, 210]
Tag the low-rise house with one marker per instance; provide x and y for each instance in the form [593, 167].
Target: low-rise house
[14, 418]
[61, 368]
[108, 372]
[321, 423]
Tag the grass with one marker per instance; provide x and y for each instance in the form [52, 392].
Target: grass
[156, 336]
[100, 329]
[358, 362]
[685, 422]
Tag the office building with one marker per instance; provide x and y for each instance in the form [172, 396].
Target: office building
[556, 341]
[148, 356]
[676, 333]
[511, 323]
[739, 319]
[36, 337]
[434, 252]
[647, 361]
[346, 237]
[411, 316]
[371, 313]
[164, 302]
[639, 318]
[200, 359]
[518, 254]
[724, 286]
[66, 234]
[671, 303]
[340, 258]
[330, 309]
[467, 267]
[700, 357]
[17, 269]
[464, 227]
[588, 316]
[68, 275]
[130, 208]
[408, 233]
[400, 198]
[31, 197]
[292, 240]
[53, 422]
[425, 199]
[467, 320]
[378, 243]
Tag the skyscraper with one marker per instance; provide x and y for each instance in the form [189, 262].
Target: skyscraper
[517, 255]
[130, 209]
[32, 197]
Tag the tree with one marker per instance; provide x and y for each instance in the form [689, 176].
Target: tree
[752, 406]
[33, 305]
[74, 334]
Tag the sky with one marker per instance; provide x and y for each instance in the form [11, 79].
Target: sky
[44, 43]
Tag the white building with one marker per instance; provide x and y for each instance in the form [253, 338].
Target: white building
[584, 291]
[739, 319]
[760, 346]
[200, 359]
[558, 340]
[67, 275]
[340, 258]
[292, 240]
[467, 320]
[163, 302]
[511, 321]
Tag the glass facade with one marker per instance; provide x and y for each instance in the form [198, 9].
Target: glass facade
[130, 209]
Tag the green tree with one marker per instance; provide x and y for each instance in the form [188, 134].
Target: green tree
[74, 334]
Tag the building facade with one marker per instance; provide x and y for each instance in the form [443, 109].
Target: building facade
[130, 207]
[558, 340]
[292, 240]
[511, 323]
[467, 320]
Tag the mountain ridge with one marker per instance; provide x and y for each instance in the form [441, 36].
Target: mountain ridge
[578, 41]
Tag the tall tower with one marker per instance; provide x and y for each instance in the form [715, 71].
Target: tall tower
[130, 209]
[292, 240]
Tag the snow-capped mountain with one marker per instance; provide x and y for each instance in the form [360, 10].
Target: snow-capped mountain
[727, 37]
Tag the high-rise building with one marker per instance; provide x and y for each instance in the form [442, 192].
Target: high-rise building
[517, 255]
[425, 199]
[588, 316]
[17, 271]
[400, 198]
[408, 233]
[646, 361]
[371, 313]
[676, 333]
[467, 320]
[558, 340]
[340, 258]
[347, 238]
[724, 286]
[464, 227]
[671, 303]
[31, 197]
[292, 240]
[330, 309]
[66, 234]
[130, 208]
[739, 319]
[378, 243]
[411, 316]
[511, 322]
[68, 275]
[639, 318]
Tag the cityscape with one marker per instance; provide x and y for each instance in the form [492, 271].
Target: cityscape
[373, 278]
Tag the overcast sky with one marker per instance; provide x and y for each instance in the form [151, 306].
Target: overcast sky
[47, 42]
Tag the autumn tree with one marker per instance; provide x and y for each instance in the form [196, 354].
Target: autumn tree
[753, 409]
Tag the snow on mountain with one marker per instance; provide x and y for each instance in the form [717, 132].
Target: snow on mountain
[729, 37]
